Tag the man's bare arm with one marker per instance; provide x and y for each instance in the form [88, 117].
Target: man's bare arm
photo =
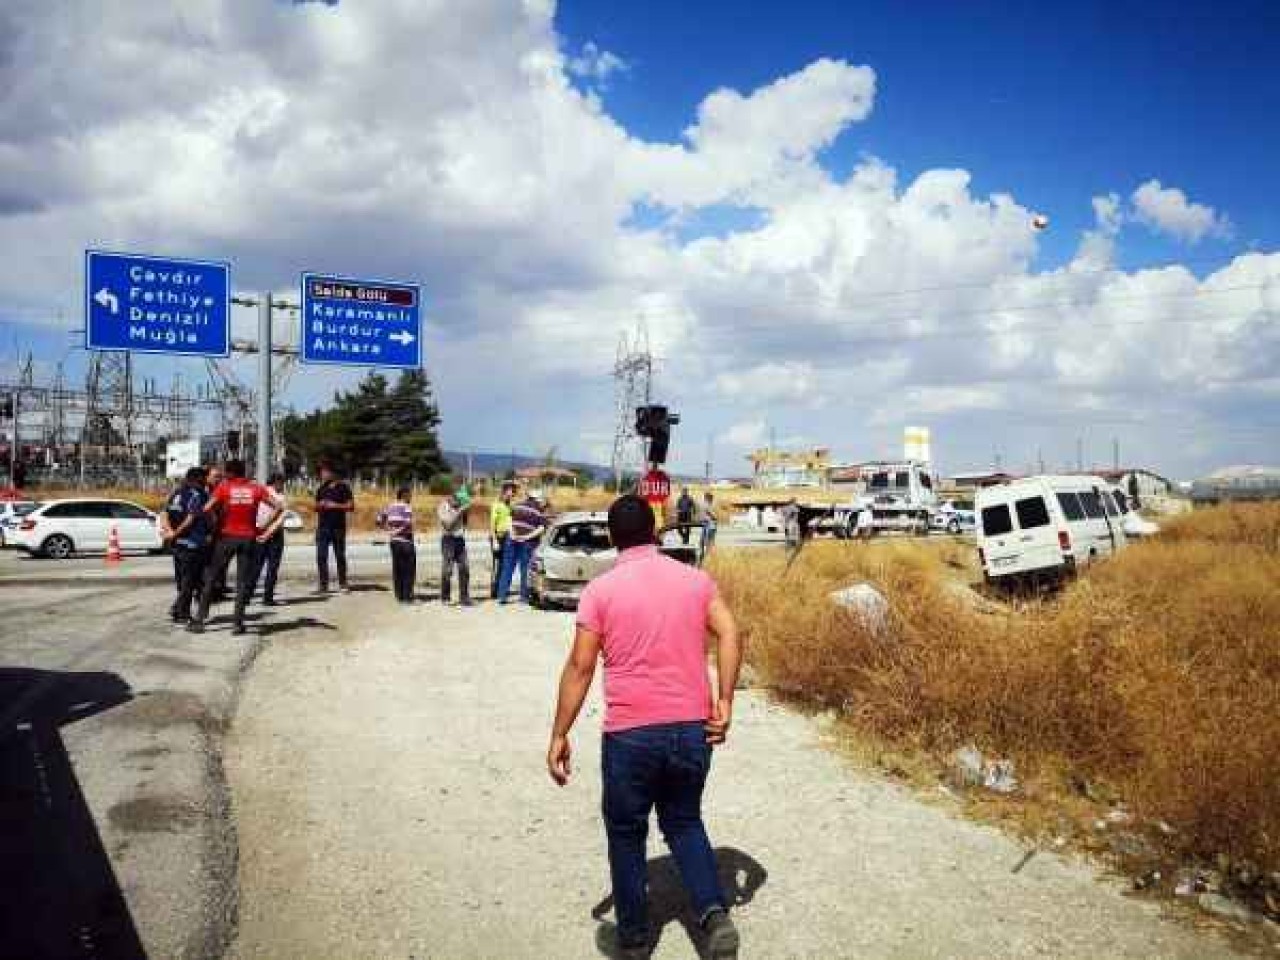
[728, 662]
[575, 681]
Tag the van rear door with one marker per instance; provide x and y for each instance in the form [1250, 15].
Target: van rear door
[1037, 532]
[995, 534]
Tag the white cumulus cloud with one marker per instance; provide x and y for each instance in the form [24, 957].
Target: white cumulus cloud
[1167, 210]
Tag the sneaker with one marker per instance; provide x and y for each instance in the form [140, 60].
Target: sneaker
[610, 944]
[321, 589]
[722, 936]
[195, 626]
[344, 589]
[466, 603]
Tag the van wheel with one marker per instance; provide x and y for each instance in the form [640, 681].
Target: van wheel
[57, 547]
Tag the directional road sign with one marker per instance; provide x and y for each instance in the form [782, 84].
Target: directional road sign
[156, 304]
[368, 323]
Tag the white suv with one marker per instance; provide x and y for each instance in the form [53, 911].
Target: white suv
[60, 528]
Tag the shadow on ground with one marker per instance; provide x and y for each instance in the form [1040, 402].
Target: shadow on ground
[741, 875]
[59, 896]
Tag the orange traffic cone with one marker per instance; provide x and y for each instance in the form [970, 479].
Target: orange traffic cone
[113, 545]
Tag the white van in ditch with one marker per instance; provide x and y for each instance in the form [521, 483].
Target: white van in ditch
[1046, 526]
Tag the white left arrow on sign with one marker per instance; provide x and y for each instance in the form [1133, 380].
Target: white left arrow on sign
[105, 298]
[403, 337]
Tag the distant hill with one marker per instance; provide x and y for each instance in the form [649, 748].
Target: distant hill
[498, 464]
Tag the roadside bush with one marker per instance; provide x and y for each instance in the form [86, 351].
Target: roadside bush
[1157, 672]
[441, 484]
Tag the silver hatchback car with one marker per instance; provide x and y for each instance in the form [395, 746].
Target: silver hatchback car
[576, 549]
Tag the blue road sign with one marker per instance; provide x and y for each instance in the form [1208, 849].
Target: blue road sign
[156, 304]
[367, 323]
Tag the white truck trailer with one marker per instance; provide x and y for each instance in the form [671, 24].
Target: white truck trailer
[902, 495]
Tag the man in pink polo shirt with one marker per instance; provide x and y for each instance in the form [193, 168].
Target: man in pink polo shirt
[649, 618]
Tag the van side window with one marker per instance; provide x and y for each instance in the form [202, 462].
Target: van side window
[1092, 505]
[879, 481]
[902, 480]
[996, 520]
[926, 481]
[1070, 504]
[1032, 512]
[1109, 503]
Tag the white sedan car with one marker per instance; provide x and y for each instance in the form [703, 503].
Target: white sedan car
[62, 528]
[576, 549]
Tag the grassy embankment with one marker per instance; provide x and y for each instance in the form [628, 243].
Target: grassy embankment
[1152, 681]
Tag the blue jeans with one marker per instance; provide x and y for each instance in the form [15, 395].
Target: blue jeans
[266, 559]
[663, 766]
[519, 554]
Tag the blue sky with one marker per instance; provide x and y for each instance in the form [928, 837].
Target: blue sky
[822, 209]
[1052, 102]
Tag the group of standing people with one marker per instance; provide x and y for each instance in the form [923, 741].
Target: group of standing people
[515, 530]
[215, 517]
[219, 515]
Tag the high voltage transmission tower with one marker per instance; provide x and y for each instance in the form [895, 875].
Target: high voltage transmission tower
[114, 428]
[633, 387]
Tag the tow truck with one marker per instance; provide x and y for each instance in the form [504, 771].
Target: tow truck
[901, 494]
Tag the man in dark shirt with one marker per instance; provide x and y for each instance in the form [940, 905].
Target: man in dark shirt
[334, 501]
[686, 508]
[189, 536]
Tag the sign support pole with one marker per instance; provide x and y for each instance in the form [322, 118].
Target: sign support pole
[265, 307]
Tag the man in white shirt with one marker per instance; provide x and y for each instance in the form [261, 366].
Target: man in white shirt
[269, 553]
[452, 514]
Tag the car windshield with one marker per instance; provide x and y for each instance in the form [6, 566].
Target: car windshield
[589, 537]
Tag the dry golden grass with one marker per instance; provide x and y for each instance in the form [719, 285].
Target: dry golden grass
[1156, 674]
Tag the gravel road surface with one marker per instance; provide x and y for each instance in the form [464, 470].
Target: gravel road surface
[391, 802]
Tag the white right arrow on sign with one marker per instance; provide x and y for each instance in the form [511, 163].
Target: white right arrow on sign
[403, 337]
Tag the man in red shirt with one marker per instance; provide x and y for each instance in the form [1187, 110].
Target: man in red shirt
[648, 619]
[236, 501]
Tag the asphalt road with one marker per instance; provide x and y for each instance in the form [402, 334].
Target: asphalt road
[149, 768]
[367, 557]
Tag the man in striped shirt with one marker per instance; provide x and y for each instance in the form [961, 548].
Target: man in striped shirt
[397, 519]
[528, 523]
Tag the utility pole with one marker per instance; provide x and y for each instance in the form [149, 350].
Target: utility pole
[265, 307]
[1115, 454]
[1079, 454]
[710, 455]
[1040, 459]
[15, 398]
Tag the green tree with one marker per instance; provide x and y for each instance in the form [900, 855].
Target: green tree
[377, 431]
